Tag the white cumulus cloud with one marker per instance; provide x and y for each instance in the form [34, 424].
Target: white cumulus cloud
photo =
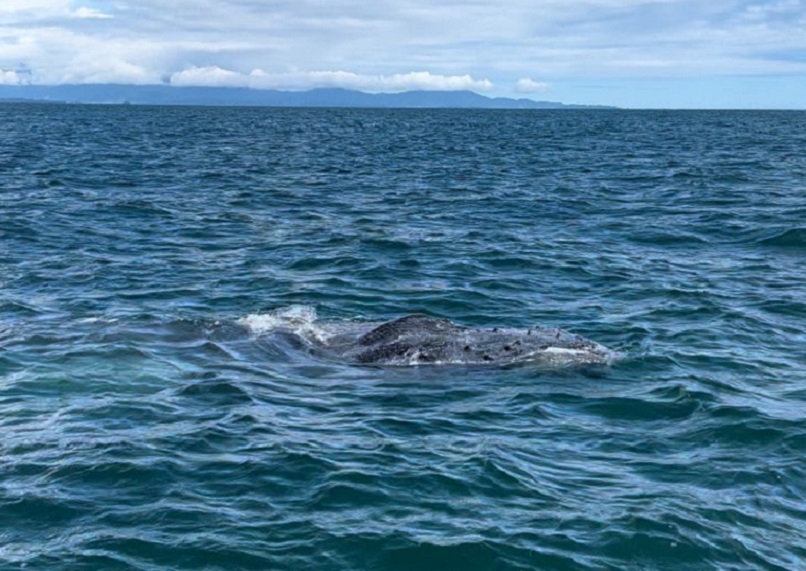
[296, 80]
[527, 85]
[209, 76]
[8, 77]
[90, 14]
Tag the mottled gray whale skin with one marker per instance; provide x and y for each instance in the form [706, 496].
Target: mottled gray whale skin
[420, 339]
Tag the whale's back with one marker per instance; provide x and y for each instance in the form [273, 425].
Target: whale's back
[415, 325]
[420, 339]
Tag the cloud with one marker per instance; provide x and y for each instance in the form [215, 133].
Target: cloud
[774, 10]
[259, 79]
[33, 6]
[56, 55]
[8, 77]
[86, 13]
[526, 85]
[209, 76]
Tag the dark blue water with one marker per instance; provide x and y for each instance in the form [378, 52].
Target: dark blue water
[148, 421]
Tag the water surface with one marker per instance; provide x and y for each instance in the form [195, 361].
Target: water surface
[149, 422]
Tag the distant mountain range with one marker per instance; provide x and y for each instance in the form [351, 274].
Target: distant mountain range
[237, 96]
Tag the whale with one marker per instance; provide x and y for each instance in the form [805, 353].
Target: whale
[419, 339]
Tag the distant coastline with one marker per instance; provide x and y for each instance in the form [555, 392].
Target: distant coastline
[115, 94]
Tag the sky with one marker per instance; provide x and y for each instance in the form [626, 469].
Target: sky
[628, 53]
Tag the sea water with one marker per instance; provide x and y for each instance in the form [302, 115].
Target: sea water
[149, 420]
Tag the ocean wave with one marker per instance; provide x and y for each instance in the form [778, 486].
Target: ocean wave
[789, 238]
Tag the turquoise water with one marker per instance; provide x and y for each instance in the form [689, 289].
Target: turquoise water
[150, 420]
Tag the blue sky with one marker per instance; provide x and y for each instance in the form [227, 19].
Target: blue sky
[630, 53]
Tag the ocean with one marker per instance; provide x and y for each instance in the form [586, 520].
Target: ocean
[151, 419]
